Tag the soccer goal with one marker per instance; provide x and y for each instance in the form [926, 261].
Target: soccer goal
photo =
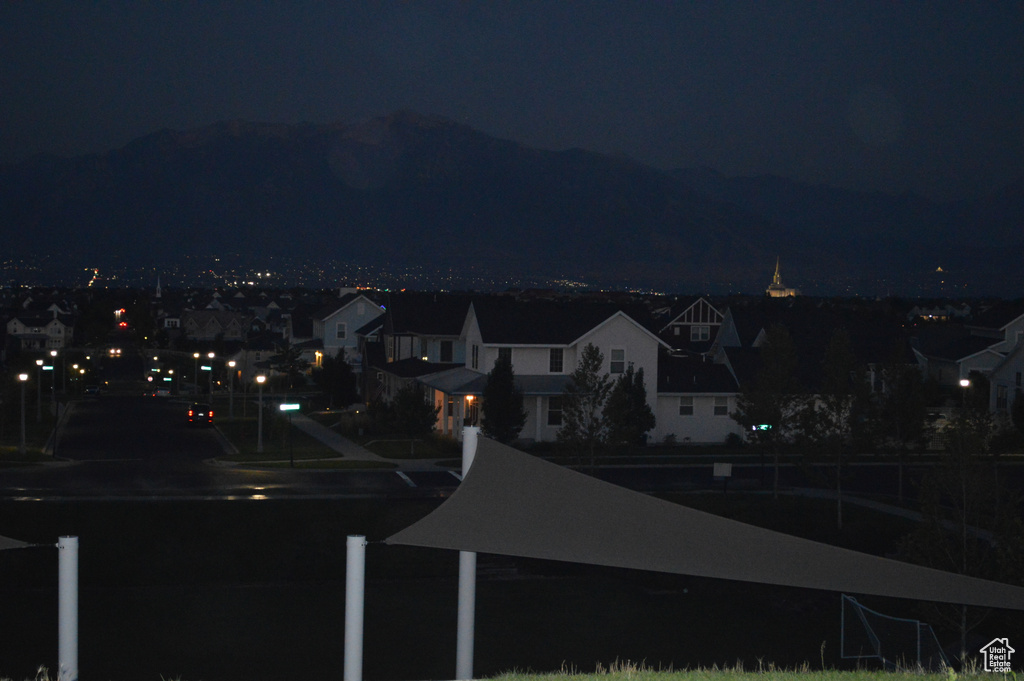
[896, 642]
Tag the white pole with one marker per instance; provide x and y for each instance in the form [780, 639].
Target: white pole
[67, 608]
[467, 578]
[355, 587]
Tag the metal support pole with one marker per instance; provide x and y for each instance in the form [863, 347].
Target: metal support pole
[21, 441]
[355, 587]
[467, 578]
[259, 424]
[67, 608]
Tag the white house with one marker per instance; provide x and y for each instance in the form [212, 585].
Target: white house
[337, 324]
[543, 341]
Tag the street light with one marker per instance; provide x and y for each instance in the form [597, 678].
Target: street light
[53, 381]
[22, 378]
[195, 374]
[231, 390]
[211, 356]
[259, 420]
[39, 392]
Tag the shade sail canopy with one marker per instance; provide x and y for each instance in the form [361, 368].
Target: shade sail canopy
[514, 504]
[8, 543]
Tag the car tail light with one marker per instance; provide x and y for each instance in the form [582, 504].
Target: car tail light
[210, 413]
[190, 413]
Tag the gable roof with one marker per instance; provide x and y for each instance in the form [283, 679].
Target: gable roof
[542, 322]
[687, 374]
[431, 314]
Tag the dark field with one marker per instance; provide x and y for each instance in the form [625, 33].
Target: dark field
[254, 590]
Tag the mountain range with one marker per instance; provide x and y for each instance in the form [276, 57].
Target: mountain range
[408, 189]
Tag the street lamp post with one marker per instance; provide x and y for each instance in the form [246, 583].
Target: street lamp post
[211, 356]
[195, 374]
[53, 377]
[39, 392]
[259, 419]
[964, 385]
[231, 389]
[22, 378]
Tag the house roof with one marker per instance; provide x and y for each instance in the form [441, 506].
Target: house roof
[432, 314]
[687, 374]
[538, 322]
[949, 341]
[999, 315]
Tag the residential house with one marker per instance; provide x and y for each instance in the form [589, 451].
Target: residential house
[543, 340]
[336, 326]
[693, 327]
[40, 331]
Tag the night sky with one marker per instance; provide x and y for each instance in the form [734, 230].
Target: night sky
[892, 96]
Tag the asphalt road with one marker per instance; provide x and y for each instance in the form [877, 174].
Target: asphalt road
[131, 447]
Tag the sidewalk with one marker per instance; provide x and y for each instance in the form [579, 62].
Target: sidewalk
[353, 452]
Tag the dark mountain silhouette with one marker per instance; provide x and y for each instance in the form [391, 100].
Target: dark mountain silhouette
[408, 189]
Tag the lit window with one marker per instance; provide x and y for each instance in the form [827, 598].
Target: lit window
[555, 361]
[686, 406]
[618, 361]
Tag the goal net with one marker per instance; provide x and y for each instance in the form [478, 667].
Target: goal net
[896, 642]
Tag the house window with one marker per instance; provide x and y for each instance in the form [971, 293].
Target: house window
[475, 356]
[618, 361]
[700, 333]
[341, 330]
[686, 406]
[555, 361]
[1001, 397]
[554, 411]
[675, 330]
[721, 406]
[505, 355]
[446, 350]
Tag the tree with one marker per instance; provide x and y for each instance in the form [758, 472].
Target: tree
[903, 412]
[583, 424]
[768, 406]
[337, 381]
[627, 413]
[826, 423]
[414, 415]
[290, 363]
[504, 415]
[969, 526]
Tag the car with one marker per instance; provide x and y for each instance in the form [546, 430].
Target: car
[157, 392]
[200, 414]
[92, 390]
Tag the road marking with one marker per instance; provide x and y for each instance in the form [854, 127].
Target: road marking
[407, 479]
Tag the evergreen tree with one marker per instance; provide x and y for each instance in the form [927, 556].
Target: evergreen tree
[583, 423]
[768, 407]
[627, 413]
[826, 423]
[337, 380]
[504, 415]
[414, 415]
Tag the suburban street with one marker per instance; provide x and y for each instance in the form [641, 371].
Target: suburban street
[141, 447]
